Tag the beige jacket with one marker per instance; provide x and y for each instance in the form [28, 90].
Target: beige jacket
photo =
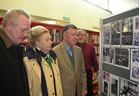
[34, 77]
[71, 78]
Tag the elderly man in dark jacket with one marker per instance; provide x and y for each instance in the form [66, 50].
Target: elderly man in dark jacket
[13, 80]
[89, 58]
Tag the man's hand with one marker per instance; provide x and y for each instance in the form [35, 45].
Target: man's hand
[84, 92]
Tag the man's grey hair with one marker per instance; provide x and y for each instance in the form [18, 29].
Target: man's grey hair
[13, 14]
[85, 33]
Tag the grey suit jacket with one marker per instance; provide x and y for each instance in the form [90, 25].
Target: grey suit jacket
[72, 79]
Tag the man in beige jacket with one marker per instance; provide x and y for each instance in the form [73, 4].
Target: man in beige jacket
[71, 63]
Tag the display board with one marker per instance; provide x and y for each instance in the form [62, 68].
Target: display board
[119, 54]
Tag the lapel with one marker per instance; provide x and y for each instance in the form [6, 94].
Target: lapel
[66, 57]
[75, 58]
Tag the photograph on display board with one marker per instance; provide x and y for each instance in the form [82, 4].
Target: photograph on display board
[136, 23]
[134, 71]
[106, 34]
[115, 32]
[128, 88]
[135, 56]
[136, 31]
[122, 57]
[127, 32]
[105, 83]
[114, 85]
[108, 55]
[136, 39]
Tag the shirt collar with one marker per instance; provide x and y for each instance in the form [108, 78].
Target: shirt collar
[68, 48]
[5, 38]
[45, 55]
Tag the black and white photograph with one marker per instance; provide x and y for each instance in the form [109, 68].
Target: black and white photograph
[136, 24]
[136, 39]
[106, 76]
[122, 57]
[128, 88]
[127, 32]
[134, 71]
[105, 87]
[116, 27]
[114, 85]
[135, 56]
[105, 83]
[108, 55]
[106, 34]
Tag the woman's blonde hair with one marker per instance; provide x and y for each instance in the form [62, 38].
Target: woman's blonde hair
[35, 33]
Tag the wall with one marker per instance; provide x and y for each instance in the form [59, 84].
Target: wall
[82, 14]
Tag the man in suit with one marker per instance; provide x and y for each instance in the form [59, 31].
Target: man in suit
[13, 80]
[71, 63]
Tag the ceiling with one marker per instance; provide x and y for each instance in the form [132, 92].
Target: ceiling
[116, 6]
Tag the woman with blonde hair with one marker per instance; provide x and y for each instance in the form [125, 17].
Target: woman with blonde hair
[41, 63]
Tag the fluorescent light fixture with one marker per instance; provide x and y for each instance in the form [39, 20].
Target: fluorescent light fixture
[49, 22]
[99, 3]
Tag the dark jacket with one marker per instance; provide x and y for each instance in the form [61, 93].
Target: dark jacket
[13, 80]
[90, 57]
